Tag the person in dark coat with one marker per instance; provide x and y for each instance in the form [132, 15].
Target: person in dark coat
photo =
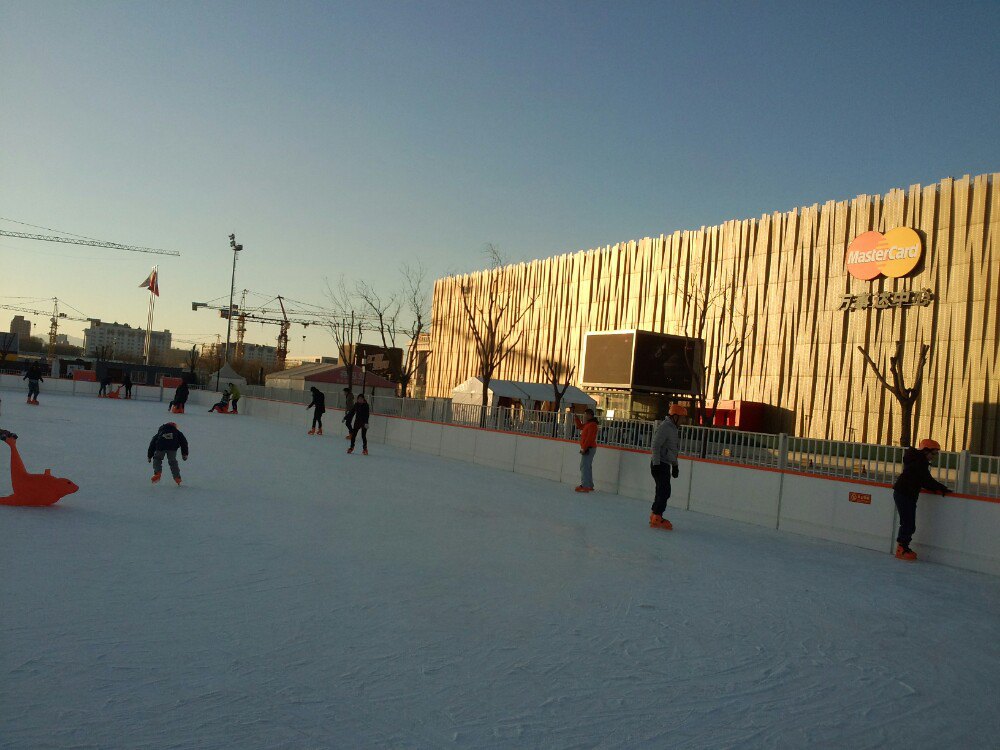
[105, 382]
[916, 476]
[319, 404]
[34, 377]
[127, 384]
[180, 397]
[166, 442]
[357, 421]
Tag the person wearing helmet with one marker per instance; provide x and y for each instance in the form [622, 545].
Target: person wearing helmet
[663, 463]
[166, 442]
[916, 476]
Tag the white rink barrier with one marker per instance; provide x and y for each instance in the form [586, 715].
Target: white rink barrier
[958, 530]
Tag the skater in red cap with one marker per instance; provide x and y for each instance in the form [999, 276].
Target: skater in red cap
[915, 477]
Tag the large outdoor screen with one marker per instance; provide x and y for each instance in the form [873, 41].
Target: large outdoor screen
[608, 360]
[642, 361]
[665, 363]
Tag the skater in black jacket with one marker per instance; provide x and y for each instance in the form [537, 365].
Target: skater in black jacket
[34, 377]
[357, 421]
[916, 476]
[319, 402]
[127, 383]
[167, 440]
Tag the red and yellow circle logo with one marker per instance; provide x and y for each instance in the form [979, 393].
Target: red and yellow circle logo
[894, 253]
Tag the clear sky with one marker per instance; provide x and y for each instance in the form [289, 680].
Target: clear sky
[349, 138]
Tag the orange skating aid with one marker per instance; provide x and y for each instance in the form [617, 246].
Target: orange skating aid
[34, 489]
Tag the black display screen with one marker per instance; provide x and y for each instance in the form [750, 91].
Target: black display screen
[608, 360]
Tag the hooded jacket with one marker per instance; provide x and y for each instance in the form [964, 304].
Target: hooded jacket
[916, 475]
[168, 438]
[319, 400]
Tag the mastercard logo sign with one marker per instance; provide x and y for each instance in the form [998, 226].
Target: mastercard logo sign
[894, 254]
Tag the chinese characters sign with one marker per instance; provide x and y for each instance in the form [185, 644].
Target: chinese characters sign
[885, 300]
[859, 497]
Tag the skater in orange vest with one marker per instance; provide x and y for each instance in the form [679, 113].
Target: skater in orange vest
[916, 476]
[588, 447]
[663, 463]
[319, 403]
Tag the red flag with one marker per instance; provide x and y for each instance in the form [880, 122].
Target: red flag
[152, 283]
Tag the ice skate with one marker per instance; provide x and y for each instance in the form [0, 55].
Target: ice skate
[351, 449]
[155, 478]
[178, 480]
[319, 431]
[581, 488]
[905, 553]
[659, 522]
[311, 432]
[364, 452]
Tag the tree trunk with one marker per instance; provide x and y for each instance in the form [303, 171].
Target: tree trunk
[485, 401]
[906, 428]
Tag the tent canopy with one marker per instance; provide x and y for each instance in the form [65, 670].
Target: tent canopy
[225, 376]
[471, 392]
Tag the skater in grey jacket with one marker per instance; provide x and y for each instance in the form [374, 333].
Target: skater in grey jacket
[663, 464]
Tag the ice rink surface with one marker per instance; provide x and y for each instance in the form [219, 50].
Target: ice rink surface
[292, 596]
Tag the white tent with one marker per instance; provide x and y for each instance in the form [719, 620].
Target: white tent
[471, 392]
[225, 376]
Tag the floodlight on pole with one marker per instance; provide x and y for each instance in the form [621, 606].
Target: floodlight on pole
[232, 290]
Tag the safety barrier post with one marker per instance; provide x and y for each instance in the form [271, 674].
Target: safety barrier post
[783, 451]
[962, 473]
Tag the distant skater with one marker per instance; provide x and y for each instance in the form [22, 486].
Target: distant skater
[167, 440]
[236, 397]
[916, 476]
[348, 405]
[588, 447]
[105, 382]
[127, 384]
[180, 398]
[223, 406]
[34, 377]
[357, 421]
[319, 404]
[663, 463]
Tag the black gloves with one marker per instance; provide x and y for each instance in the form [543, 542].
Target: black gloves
[675, 471]
[7, 435]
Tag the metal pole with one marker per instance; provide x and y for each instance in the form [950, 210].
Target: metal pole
[229, 313]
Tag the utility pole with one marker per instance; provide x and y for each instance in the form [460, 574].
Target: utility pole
[229, 313]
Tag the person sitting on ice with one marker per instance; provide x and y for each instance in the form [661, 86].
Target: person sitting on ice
[180, 398]
[223, 405]
[167, 440]
[916, 476]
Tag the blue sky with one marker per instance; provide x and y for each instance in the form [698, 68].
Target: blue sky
[349, 138]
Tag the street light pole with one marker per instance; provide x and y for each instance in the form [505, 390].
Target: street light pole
[229, 314]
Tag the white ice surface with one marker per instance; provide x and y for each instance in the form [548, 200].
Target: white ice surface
[291, 596]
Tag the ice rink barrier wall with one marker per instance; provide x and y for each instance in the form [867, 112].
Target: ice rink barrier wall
[958, 530]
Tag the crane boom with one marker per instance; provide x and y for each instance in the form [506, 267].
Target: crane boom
[91, 243]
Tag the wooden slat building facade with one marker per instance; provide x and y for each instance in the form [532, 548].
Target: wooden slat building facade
[778, 283]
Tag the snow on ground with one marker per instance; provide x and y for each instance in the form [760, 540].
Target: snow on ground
[292, 596]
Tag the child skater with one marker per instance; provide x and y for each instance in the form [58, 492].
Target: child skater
[165, 442]
[357, 421]
[319, 402]
[223, 406]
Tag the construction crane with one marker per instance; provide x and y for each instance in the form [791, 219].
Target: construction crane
[284, 323]
[53, 320]
[79, 240]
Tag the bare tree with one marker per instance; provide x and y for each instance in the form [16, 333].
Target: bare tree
[7, 343]
[705, 303]
[346, 324]
[559, 376]
[399, 321]
[493, 317]
[907, 397]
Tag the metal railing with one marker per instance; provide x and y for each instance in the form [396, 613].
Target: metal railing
[962, 471]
